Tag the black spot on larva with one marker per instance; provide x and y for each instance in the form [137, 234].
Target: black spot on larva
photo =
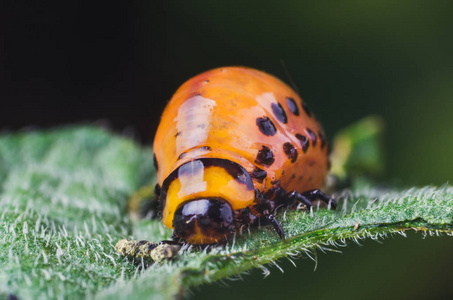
[206, 81]
[322, 139]
[290, 151]
[178, 133]
[258, 174]
[155, 162]
[312, 136]
[276, 182]
[207, 148]
[279, 112]
[307, 110]
[182, 155]
[266, 126]
[265, 156]
[304, 142]
[292, 106]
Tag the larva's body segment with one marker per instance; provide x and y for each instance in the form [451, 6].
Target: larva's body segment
[230, 134]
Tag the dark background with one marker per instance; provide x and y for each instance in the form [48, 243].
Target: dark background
[66, 62]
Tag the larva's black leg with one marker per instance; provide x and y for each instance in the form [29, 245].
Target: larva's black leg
[276, 226]
[294, 196]
[245, 217]
[318, 194]
[266, 210]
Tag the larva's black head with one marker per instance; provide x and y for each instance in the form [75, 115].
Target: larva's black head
[204, 221]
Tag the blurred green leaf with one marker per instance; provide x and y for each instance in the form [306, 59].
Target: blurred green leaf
[358, 149]
[63, 202]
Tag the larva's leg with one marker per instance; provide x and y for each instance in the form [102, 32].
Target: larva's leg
[318, 194]
[245, 217]
[276, 226]
[294, 196]
[265, 210]
[306, 198]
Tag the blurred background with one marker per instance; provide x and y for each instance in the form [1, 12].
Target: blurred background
[120, 61]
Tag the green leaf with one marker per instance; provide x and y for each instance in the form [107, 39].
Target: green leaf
[358, 149]
[63, 206]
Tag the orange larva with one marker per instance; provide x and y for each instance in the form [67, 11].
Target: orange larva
[233, 145]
